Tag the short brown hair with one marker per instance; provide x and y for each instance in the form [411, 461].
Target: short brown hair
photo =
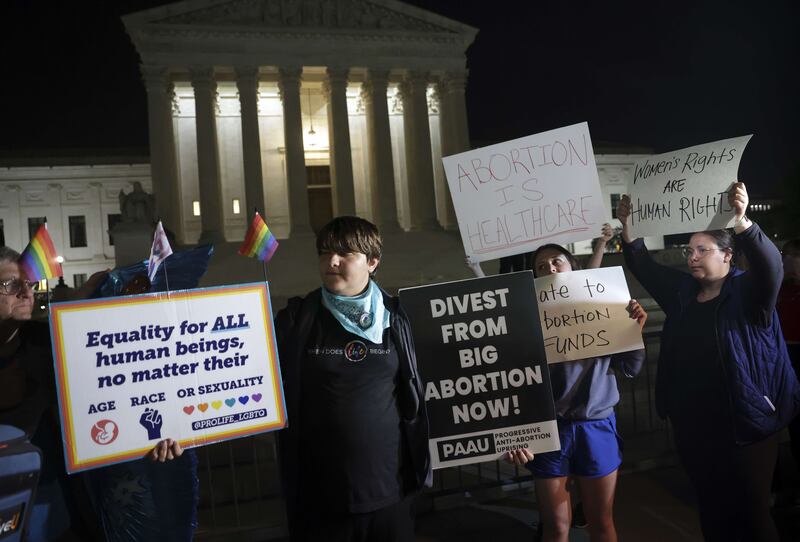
[346, 234]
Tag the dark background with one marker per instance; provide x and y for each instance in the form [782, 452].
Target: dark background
[659, 75]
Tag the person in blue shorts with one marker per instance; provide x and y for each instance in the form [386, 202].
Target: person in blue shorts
[585, 393]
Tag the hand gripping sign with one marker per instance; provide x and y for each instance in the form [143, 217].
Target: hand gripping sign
[198, 366]
[480, 352]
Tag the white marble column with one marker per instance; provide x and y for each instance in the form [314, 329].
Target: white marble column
[163, 161]
[419, 161]
[211, 203]
[453, 125]
[247, 85]
[289, 86]
[379, 151]
[335, 91]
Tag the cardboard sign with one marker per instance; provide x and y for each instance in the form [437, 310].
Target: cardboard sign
[198, 366]
[584, 314]
[512, 197]
[686, 190]
[479, 350]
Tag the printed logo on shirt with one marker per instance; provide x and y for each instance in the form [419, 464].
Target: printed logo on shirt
[355, 351]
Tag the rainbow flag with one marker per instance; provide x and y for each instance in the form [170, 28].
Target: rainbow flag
[259, 242]
[38, 260]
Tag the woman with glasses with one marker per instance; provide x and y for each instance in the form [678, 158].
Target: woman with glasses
[724, 378]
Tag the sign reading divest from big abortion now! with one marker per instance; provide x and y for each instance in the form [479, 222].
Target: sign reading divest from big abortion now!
[584, 314]
[686, 190]
[514, 196]
[480, 352]
[197, 366]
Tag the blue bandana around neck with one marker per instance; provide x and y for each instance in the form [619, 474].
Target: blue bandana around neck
[363, 315]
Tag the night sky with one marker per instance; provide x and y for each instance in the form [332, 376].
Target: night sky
[662, 75]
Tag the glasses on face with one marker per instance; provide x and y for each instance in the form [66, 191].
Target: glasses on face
[699, 252]
[14, 286]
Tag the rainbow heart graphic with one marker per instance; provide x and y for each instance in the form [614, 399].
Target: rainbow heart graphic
[216, 404]
[202, 407]
[188, 409]
[256, 397]
[230, 402]
[243, 399]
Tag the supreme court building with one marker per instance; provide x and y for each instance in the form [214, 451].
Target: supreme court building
[304, 109]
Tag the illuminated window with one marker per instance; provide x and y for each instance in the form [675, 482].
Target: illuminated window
[236, 209]
[196, 208]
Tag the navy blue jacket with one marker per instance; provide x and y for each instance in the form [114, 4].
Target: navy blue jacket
[293, 325]
[762, 388]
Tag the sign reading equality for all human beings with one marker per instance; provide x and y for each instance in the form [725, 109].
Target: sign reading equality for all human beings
[512, 197]
[685, 190]
[480, 352]
[198, 366]
[584, 314]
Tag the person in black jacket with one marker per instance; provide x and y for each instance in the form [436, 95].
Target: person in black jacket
[356, 448]
[724, 377]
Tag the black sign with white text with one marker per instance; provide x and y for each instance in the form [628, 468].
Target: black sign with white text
[481, 356]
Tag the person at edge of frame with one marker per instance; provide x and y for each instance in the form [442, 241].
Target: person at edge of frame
[724, 376]
[29, 402]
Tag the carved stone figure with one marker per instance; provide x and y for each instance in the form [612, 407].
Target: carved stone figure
[137, 206]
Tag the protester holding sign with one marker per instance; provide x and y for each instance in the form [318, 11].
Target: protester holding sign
[724, 376]
[357, 445]
[28, 402]
[585, 393]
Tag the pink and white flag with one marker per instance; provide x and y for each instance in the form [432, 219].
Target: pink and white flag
[158, 252]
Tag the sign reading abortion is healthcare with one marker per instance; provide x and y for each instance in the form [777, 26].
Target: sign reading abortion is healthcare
[514, 196]
[197, 366]
[480, 352]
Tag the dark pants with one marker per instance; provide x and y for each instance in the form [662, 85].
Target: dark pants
[794, 425]
[394, 523]
[732, 484]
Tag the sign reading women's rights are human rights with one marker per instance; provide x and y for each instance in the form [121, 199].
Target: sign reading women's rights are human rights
[686, 190]
[514, 196]
[198, 366]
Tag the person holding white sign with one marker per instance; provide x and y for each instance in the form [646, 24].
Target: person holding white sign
[357, 445]
[724, 377]
[585, 393]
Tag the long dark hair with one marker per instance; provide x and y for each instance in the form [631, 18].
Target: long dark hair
[573, 262]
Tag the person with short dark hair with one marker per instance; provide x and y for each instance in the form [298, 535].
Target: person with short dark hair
[356, 448]
[724, 378]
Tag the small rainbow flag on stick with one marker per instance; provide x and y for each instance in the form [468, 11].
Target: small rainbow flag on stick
[259, 242]
[38, 260]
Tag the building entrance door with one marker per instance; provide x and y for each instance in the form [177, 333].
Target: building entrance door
[320, 196]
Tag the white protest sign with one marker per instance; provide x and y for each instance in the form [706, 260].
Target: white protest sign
[686, 190]
[584, 314]
[514, 196]
[197, 366]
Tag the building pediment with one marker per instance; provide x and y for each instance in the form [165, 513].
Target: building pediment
[287, 16]
[385, 34]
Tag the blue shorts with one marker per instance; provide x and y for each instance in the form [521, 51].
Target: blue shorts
[590, 448]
